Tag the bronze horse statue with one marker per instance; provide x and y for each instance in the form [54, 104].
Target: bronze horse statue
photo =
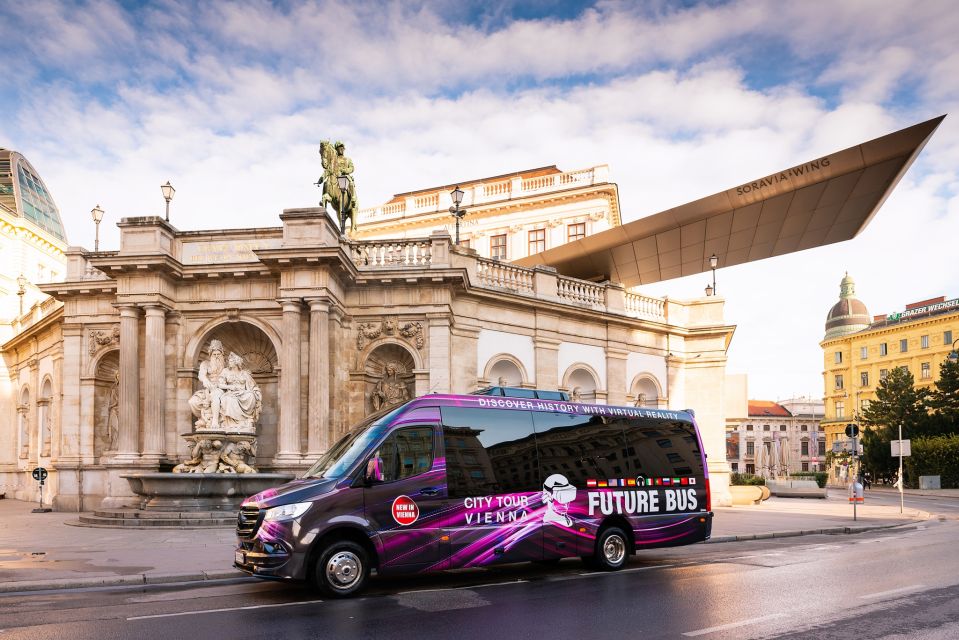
[335, 164]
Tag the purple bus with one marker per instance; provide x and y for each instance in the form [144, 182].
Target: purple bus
[448, 481]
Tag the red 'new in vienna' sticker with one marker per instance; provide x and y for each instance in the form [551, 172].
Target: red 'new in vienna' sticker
[405, 511]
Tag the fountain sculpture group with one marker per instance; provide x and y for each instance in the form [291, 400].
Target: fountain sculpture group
[221, 470]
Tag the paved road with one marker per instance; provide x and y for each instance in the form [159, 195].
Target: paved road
[842, 586]
[946, 505]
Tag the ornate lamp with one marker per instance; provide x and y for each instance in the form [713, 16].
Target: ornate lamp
[97, 214]
[21, 290]
[713, 263]
[167, 190]
[458, 213]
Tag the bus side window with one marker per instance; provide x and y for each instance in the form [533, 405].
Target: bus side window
[580, 447]
[407, 452]
[489, 451]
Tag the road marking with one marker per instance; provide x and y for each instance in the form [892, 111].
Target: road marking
[195, 613]
[736, 558]
[734, 625]
[880, 594]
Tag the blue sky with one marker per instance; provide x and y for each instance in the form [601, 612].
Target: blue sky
[229, 101]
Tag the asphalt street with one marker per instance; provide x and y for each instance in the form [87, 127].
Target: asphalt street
[872, 585]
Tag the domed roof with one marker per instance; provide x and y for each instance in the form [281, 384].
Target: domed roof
[849, 315]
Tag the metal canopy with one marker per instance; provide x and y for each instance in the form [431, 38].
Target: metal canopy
[826, 200]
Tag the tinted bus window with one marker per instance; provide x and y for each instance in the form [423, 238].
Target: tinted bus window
[580, 447]
[659, 449]
[489, 451]
[406, 453]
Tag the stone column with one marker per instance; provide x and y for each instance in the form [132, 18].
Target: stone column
[288, 438]
[440, 352]
[128, 445]
[154, 388]
[319, 432]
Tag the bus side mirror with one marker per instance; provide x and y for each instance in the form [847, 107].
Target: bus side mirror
[374, 470]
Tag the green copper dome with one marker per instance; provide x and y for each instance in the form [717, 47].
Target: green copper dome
[23, 192]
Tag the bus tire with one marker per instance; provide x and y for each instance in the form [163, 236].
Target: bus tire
[612, 550]
[342, 569]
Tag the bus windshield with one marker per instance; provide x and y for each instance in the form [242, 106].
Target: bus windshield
[341, 456]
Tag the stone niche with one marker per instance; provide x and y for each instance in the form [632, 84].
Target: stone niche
[388, 377]
[260, 357]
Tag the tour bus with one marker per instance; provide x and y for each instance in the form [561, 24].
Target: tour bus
[450, 481]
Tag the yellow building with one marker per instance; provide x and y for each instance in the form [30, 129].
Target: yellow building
[859, 351]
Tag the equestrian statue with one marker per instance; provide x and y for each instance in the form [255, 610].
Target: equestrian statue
[336, 165]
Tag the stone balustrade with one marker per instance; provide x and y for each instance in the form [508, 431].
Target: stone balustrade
[392, 253]
[500, 275]
[640, 306]
[540, 282]
[483, 193]
[580, 291]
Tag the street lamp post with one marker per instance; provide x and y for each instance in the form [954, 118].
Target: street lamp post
[458, 213]
[713, 263]
[167, 190]
[97, 214]
[21, 290]
[343, 182]
[954, 354]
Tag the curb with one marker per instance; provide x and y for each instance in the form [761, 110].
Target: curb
[116, 581]
[809, 532]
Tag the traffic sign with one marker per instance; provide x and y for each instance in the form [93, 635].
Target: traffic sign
[40, 474]
[901, 448]
[852, 430]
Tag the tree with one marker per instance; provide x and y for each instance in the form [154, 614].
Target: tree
[944, 399]
[898, 402]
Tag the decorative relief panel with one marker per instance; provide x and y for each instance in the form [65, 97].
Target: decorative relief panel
[412, 332]
[100, 338]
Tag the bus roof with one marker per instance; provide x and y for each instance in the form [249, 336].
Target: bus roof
[530, 404]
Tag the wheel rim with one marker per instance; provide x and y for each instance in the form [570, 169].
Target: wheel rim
[343, 570]
[614, 549]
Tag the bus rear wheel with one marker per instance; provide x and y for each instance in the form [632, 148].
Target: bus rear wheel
[612, 549]
[342, 569]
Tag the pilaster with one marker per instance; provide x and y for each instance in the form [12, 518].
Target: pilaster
[288, 437]
[319, 434]
[154, 390]
[128, 441]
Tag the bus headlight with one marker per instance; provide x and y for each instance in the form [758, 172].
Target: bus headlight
[286, 511]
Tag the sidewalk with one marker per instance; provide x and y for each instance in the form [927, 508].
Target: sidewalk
[41, 551]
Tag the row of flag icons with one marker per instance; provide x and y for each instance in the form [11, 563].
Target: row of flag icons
[638, 482]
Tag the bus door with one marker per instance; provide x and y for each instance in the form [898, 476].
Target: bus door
[404, 496]
[494, 486]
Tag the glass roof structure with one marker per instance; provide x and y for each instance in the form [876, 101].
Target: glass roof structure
[22, 191]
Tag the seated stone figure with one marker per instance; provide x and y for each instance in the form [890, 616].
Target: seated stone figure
[240, 400]
[230, 399]
[205, 403]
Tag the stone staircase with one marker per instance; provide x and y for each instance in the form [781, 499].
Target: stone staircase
[139, 519]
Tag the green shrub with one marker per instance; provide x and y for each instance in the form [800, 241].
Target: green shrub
[739, 479]
[935, 456]
[819, 476]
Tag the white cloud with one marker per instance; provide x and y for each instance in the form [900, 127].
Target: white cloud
[230, 100]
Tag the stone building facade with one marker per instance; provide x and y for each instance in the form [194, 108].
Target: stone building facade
[330, 328]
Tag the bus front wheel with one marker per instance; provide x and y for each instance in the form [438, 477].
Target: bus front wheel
[342, 569]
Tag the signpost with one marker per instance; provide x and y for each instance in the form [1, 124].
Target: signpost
[855, 487]
[901, 448]
[40, 475]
